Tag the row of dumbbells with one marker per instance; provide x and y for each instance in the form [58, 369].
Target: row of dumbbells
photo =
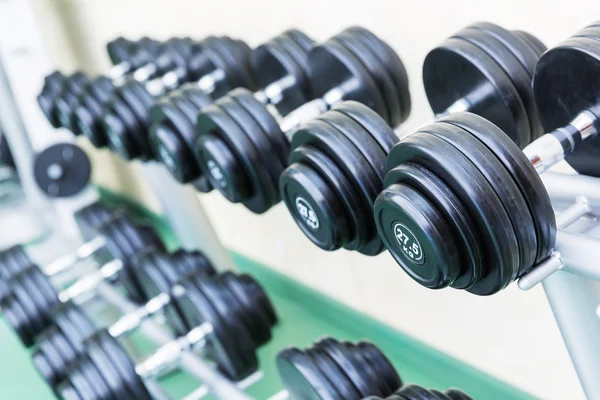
[225, 316]
[442, 200]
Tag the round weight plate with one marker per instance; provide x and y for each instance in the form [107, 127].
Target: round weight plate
[217, 122]
[508, 193]
[560, 99]
[333, 373]
[119, 50]
[302, 378]
[116, 124]
[62, 170]
[266, 121]
[331, 177]
[417, 392]
[373, 124]
[47, 360]
[86, 119]
[124, 365]
[268, 162]
[189, 261]
[54, 81]
[444, 201]
[377, 70]
[240, 53]
[336, 146]
[227, 346]
[474, 192]
[333, 67]
[459, 70]
[536, 44]
[167, 136]
[100, 360]
[521, 171]
[64, 107]
[256, 317]
[517, 74]
[13, 261]
[233, 68]
[17, 318]
[391, 61]
[84, 382]
[133, 94]
[380, 387]
[382, 365]
[345, 362]
[42, 292]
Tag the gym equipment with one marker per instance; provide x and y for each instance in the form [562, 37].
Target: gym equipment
[415, 392]
[244, 149]
[334, 370]
[59, 345]
[56, 85]
[229, 315]
[116, 242]
[461, 181]
[127, 56]
[90, 217]
[337, 162]
[279, 66]
[62, 170]
[217, 64]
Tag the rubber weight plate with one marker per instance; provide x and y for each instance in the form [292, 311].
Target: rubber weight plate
[62, 170]
[506, 189]
[380, 386]
[391, 61]
[270, 165]
[13, 261]
[332, 66]
[230, 160]
[524, 175]
[517, 74]
[383, 367]
[229, 346]
[473, 191]
[302, 378]
[333, 373]
[458, 70]
[376, 69]
[564, 85]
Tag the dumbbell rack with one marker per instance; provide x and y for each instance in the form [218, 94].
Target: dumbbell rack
[23, 64]
[573, 292]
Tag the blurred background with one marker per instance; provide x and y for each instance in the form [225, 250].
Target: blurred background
[511, 335]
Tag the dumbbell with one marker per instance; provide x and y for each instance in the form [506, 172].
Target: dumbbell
[116, 242]
[334, 370]
[337, 163]
[279, 66]
[217, 64]
[84, 111]
[60, 94]
[244, 149]
[60, 344]
[415, 392]
[229, 316]
[462, 182]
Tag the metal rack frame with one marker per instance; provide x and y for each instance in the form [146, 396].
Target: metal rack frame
[573, 290]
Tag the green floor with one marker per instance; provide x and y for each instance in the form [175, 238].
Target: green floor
[305, 316]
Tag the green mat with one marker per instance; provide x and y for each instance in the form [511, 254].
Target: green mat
[305, 315]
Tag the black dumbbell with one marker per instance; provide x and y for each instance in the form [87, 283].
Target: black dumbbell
[338, 162]
[56, 85]
[472, 189]
[116, 242]
[229, 316]
[218, 64]
[334, 370]
[279, 66]
[59, 345]
[415, 392]
[126, 55]
[80, 115]
[243, 148]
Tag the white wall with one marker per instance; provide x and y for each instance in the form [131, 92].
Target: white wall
[511, 335]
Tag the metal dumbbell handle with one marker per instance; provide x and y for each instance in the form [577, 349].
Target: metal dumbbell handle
[168, 356]
[131, 321]
[273, 92]
[556, 145]
[84, 252]
[91, 281]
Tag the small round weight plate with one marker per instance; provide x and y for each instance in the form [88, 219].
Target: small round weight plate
[62, 170]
